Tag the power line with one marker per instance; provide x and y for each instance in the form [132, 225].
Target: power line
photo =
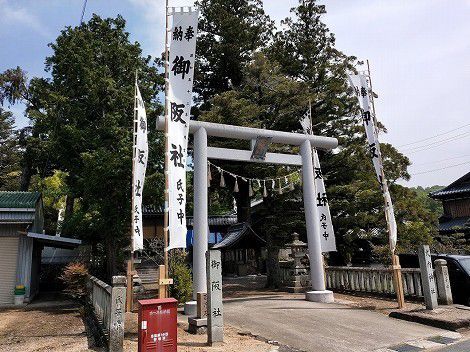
[442, 168]
[437, 143]
[437, 135]
[83, 11]
[439, 161]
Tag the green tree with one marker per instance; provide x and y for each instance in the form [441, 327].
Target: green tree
[82, 121]
[10, 154]
[230, 31]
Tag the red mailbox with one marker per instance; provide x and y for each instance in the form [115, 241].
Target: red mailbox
[158, 325]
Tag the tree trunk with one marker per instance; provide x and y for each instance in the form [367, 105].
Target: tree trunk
[111, 266]
[272, 263]
[243, 202]
[25, 177]
[69, 202]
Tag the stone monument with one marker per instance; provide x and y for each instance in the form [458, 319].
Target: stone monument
[427, 277]
[215, 311]
[444, 293]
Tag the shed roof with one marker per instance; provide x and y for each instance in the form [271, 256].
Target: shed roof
[19, 200]
[55, 241]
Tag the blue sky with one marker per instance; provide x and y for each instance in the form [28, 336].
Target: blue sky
[419, 53]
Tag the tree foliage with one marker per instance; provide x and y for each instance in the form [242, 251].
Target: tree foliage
[82, 125]
[301, 64]
[10, 154]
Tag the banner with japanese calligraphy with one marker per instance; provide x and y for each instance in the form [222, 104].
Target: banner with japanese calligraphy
[182, 49]
[362, 91]
[328, 241]
[139, 168]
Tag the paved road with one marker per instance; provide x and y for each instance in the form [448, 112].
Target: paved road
[315, 327]
[463, 346]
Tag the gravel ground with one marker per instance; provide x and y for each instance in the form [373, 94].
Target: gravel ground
[234, 340]
[48, 327]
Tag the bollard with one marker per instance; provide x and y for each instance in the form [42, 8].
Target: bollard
[444, 292]
[116, 324]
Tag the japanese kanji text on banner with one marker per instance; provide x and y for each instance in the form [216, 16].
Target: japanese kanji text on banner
[139, 168]
[328, 241]
[362, 91]
[182, 48]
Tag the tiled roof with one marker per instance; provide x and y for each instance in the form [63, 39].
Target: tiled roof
[454, 225]
[152, 210]
[19, 200]
[216, 220]
[460, 186]
[235, 234]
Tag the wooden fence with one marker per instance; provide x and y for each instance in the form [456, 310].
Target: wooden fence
[372, 280]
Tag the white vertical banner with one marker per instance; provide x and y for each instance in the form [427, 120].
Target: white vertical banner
[328, 241]
[182, 49]
[139, 167]
[362, 91]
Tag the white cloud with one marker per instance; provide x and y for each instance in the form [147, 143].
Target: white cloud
[20, 16]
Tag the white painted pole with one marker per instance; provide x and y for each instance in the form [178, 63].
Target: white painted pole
[317, 277]
[200, 242]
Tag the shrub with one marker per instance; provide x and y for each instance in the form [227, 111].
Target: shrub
[181, 274]
[75, 276]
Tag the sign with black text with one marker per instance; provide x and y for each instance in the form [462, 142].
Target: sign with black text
[182, 50]
[362, 91]
[139, 167]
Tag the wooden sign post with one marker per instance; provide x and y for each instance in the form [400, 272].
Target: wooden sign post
[163, 282]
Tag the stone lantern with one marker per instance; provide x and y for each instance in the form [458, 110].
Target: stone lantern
[298, 281]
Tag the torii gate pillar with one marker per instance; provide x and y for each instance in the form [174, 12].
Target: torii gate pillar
[201, 214]
[317, 277]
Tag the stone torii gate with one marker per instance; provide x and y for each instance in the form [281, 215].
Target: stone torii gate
[202, 152]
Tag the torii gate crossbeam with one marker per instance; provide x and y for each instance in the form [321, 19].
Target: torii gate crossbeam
[202, 152]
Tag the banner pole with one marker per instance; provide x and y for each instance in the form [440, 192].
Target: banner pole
[396, 268]
[167, 183]
[130, 262]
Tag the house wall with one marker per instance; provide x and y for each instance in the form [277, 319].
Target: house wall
[456, 208]
[8, 263]
[153, 227]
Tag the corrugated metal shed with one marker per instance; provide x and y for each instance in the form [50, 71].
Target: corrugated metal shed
[19, 200]
[16, 217]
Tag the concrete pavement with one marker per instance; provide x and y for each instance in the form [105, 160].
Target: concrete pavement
[463, 346]
[318, 327]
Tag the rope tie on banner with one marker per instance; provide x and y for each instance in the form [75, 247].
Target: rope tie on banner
[285, 183]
